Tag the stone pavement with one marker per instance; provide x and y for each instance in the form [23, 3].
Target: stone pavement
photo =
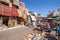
[18, 33]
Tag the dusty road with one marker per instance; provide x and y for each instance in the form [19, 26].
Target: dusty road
[20, 33]
[15, 33]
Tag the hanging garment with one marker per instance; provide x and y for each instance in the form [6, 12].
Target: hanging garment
[33, 18]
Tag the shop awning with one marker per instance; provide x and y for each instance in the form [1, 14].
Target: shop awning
[0, 9]
[0, 12]
[14, 11]
[6, 10]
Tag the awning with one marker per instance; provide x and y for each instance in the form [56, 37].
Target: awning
[0, 12]
[14, 11]
[0, 9]
[6, 10]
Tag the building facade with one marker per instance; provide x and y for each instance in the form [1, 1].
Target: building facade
[7, 1]
[6, 11]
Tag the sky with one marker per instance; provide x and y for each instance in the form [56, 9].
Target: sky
[42, 6]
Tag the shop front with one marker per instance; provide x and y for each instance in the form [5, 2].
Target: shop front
[7, 13]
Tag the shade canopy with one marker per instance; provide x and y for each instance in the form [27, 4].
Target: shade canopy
[8, 11]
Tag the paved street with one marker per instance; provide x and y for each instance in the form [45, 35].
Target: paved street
[20, 33]
[18, 18]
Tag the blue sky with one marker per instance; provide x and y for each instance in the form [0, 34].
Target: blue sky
[42, 6]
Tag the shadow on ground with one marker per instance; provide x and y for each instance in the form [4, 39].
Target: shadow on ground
[50, 37]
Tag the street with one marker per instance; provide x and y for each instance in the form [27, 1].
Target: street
[19, 18]
[20, 33]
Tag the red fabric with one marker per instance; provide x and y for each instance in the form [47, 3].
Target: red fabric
[0, 9]
[14, 11]
[0, 12]
[6, 10]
